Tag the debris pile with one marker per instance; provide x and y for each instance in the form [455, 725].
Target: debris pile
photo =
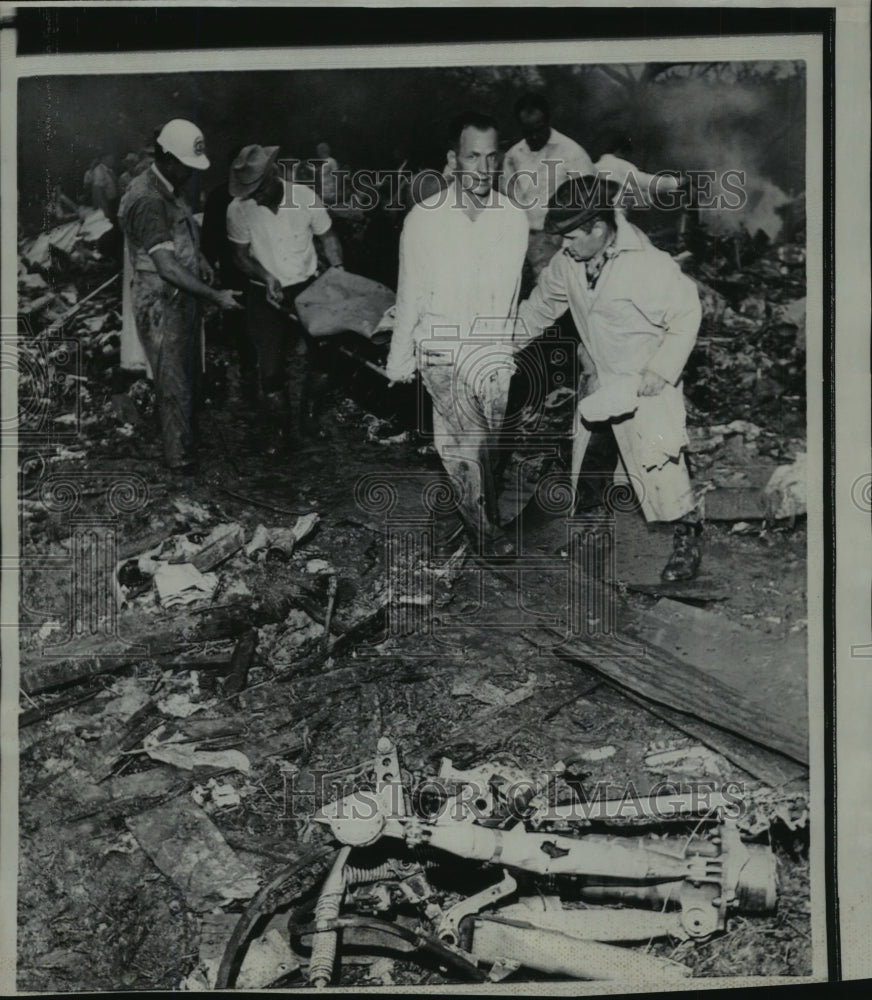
[495, 814]
[74, 245]
[172, 772]
[68, 356]
[749, 362]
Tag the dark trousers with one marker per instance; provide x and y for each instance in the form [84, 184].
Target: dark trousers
[168, 324]
[279, 337]
[234, 329]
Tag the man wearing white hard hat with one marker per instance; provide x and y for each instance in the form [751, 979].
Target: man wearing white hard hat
[170, 281]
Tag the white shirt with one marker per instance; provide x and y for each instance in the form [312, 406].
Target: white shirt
[643, 313]
[459, 278]
[531, 178]
[281, 241]
[638, 189]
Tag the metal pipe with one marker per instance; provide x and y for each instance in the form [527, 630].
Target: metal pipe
[647, 807]
[332, 587]
[363, 361]
[552, 854]
[598, 924]
[561, 954]
[657, 895]
[68, 315]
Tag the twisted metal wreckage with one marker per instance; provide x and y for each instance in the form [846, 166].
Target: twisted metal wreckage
[400, 879]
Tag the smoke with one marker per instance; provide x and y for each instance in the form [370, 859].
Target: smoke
[762, 199]
[720, 119]
[742, 117]
[712, 127]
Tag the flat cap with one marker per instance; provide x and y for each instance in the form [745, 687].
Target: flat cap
[578, 200]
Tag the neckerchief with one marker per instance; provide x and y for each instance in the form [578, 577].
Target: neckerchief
[594, 266]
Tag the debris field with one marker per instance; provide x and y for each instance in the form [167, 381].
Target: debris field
[254, 644]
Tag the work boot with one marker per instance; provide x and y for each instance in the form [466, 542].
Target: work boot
[684, 562]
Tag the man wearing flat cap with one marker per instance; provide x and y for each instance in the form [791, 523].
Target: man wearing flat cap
[170, 281]
[272, 224]
[637, 316]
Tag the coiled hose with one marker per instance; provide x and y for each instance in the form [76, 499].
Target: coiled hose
[270, 898]
[324, 941]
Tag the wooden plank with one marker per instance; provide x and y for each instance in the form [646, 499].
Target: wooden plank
[240, 663]
[718, 694]
[704, 589]
[140, 637]
[115, 797]
[696, 662]
[767, 765]
[126, 737]
[735, 503]
[762, 762]
[769, 671]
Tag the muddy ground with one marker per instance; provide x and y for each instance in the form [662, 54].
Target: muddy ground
[455, 662]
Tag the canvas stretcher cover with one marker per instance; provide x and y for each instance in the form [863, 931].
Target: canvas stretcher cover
[340, 301]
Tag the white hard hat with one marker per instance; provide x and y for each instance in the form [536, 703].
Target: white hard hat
[185, 141]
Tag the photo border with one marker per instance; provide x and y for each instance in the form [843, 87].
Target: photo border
[65, 37]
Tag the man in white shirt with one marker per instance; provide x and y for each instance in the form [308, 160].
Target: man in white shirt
[461, 254]
[272, 225]
[636, 188]
[535, 167]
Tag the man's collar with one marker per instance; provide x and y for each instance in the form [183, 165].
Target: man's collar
[163, 179]
[461, 198]
[626, 236]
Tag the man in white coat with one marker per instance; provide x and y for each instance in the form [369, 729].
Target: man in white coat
[637, 316]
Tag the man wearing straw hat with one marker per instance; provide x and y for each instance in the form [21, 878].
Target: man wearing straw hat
[637, 316]
[272, 225]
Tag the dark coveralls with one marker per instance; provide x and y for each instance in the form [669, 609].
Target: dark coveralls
[167, 319]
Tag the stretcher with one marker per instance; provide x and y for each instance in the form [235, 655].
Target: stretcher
[351, 313]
